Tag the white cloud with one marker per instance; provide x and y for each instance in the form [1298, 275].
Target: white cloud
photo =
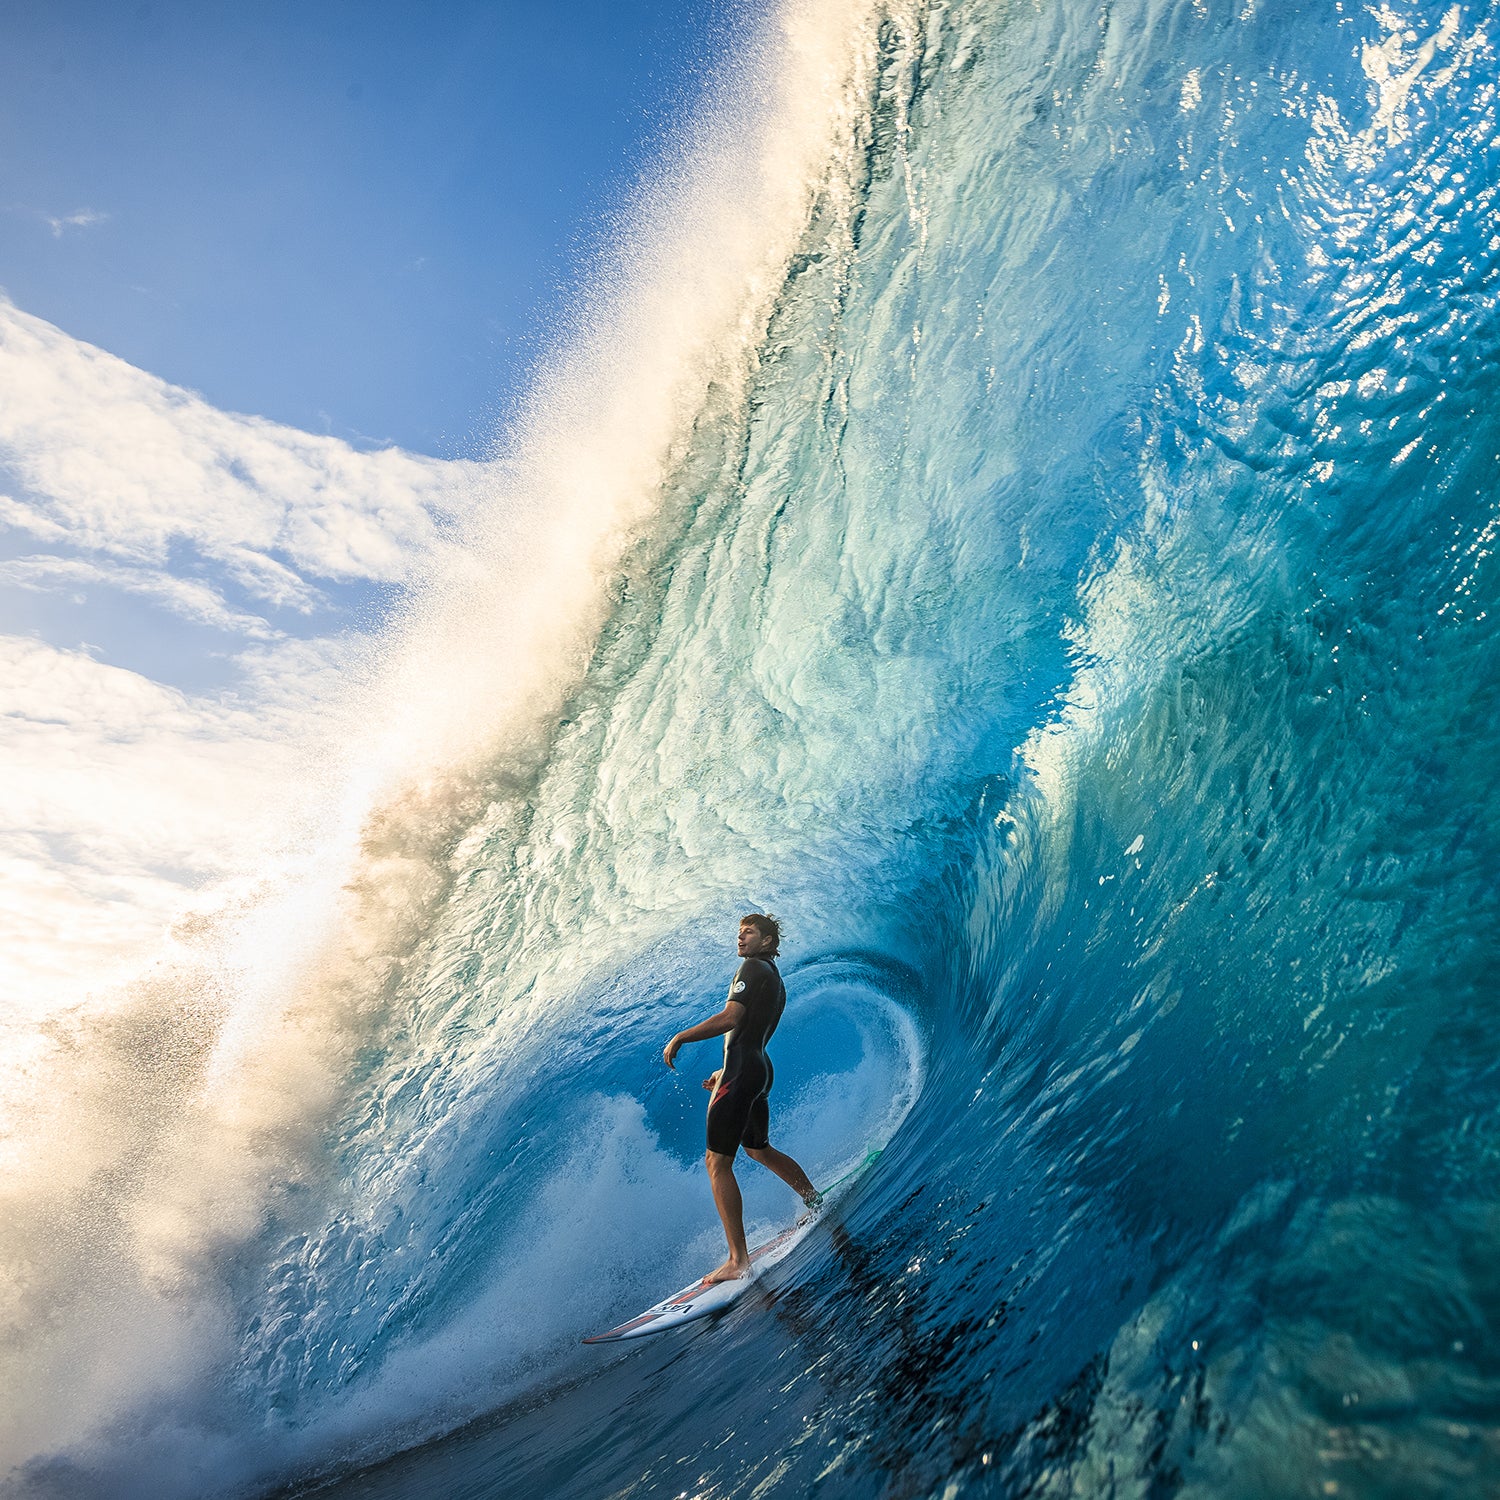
[122, 797]
[187, 598]
[118, 462]
[21, 517]
[82, 218]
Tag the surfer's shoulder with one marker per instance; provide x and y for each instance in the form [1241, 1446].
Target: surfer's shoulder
[755, 975]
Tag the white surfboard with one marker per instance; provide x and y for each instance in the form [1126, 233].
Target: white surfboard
[700, 1298]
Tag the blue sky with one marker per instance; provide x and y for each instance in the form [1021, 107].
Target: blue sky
[354, 218]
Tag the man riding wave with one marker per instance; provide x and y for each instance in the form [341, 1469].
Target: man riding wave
[738, 1113]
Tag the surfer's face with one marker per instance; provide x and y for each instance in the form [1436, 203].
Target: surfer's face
[753, 941]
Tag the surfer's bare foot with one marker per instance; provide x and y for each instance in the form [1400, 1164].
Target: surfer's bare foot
[730, 1271]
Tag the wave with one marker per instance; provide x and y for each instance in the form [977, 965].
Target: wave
[1022, 509]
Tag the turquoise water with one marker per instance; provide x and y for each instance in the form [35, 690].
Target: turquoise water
[1078, 629]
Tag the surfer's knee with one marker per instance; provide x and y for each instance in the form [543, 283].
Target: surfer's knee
[717, 1161]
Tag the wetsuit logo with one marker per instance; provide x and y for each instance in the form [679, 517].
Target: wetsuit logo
[738, 986]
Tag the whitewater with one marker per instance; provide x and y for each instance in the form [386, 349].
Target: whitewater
[1019, 501]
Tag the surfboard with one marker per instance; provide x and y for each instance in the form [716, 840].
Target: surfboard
[698, 1299]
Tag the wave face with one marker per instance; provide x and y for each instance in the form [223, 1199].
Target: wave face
[1080, 628]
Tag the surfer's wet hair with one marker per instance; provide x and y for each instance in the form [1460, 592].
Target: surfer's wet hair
[766, 925]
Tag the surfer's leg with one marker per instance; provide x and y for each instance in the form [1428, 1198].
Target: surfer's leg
[757, 1143]
[787, 1169]
[731, 1215]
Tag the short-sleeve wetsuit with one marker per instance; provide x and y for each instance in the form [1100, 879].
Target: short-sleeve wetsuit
[739, 1114]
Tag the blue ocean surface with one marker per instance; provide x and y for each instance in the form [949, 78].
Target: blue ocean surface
[1076, 625]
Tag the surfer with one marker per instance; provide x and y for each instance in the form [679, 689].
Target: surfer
[738, 1113]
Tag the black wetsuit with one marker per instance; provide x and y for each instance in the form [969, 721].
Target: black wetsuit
[739, 1114]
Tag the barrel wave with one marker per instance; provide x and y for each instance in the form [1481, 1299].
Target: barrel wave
[1065, 597]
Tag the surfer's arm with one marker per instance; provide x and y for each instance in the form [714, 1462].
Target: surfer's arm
[726, 1020]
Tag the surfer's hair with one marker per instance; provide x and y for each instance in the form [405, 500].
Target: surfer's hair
[766, 925]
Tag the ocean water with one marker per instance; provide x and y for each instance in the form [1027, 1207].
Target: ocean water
[1032, 526]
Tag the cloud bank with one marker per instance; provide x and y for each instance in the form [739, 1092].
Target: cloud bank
[129, 509]
[107, 459]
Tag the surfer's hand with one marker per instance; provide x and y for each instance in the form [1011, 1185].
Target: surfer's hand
[669, 1053]
[712, 1079]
